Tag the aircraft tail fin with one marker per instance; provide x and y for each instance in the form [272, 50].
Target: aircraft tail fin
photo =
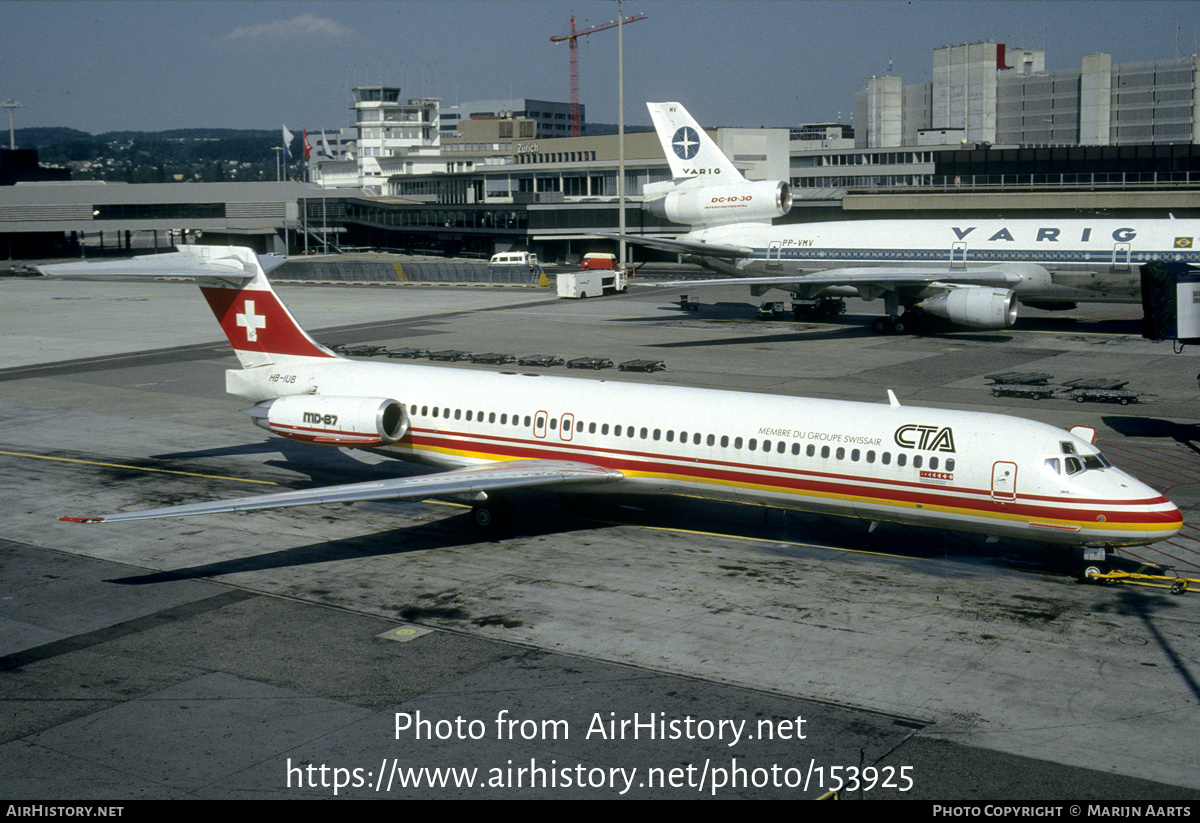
[691, 152]
[257, 324]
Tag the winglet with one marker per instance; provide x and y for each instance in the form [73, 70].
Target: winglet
[892, 401]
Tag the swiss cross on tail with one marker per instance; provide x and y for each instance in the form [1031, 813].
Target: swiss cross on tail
[251, 321]
[256, 321]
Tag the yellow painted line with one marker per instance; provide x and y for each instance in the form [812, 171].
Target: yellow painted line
[138, 468]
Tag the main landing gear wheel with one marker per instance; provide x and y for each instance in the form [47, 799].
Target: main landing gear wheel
[904, 324]
[493, 515]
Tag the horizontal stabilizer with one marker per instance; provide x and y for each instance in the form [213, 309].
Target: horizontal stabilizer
[682, 246]
[189, 261]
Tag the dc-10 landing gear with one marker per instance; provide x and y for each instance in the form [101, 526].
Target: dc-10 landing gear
[908, 323]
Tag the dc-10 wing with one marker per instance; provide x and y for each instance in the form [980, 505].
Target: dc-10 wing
[883, 277]
[682, 246]
[488, 477]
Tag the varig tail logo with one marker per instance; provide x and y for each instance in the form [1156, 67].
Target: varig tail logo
[926, 438]
[685, 143]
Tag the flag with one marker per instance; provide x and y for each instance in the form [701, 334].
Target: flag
[288, 137]
[325, 146]
[307, 147]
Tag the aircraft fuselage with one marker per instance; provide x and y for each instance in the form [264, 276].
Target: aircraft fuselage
[1057, 260]
[956, 470]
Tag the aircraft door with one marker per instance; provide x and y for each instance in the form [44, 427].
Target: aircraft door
[1120, 260]
[1004, 481]
[566, 426]
[539, 424]
[958, 255]
[774, 252]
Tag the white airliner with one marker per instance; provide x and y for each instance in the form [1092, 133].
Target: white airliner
[969, 271]
[494, 431]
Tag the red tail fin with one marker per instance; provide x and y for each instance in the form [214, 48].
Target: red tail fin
[258, 324]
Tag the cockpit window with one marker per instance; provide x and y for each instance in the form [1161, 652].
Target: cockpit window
[1067, 448]
[1053, 464]
[1073, 465]
[1096, 461]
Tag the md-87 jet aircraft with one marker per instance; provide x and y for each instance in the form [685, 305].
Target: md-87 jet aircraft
[492, 432]
[969, 271]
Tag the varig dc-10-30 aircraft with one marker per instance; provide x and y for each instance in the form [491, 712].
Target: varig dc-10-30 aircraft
[969, 271]
[495, 431]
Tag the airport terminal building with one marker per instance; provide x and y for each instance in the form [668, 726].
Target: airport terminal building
[991, 134]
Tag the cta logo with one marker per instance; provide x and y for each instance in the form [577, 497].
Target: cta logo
[925, 438]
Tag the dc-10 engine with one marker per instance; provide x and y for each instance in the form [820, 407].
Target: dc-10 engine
[332, 420]
[980, 307]
[742, 202]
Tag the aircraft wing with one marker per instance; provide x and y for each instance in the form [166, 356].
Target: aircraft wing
[168, 264]
[488, 477]
[883, 277]
[682, 246]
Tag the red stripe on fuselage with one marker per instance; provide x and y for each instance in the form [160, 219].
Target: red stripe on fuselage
[798, 481]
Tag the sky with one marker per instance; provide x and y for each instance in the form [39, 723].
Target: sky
[148, 65]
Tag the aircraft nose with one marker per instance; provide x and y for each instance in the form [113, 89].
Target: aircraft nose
[1162, 519]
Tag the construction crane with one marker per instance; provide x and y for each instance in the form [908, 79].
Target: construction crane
[572, 40]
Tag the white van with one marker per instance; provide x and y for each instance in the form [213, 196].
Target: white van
[515, 258]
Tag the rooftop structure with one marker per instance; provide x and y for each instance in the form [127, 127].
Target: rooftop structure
[988, 93]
